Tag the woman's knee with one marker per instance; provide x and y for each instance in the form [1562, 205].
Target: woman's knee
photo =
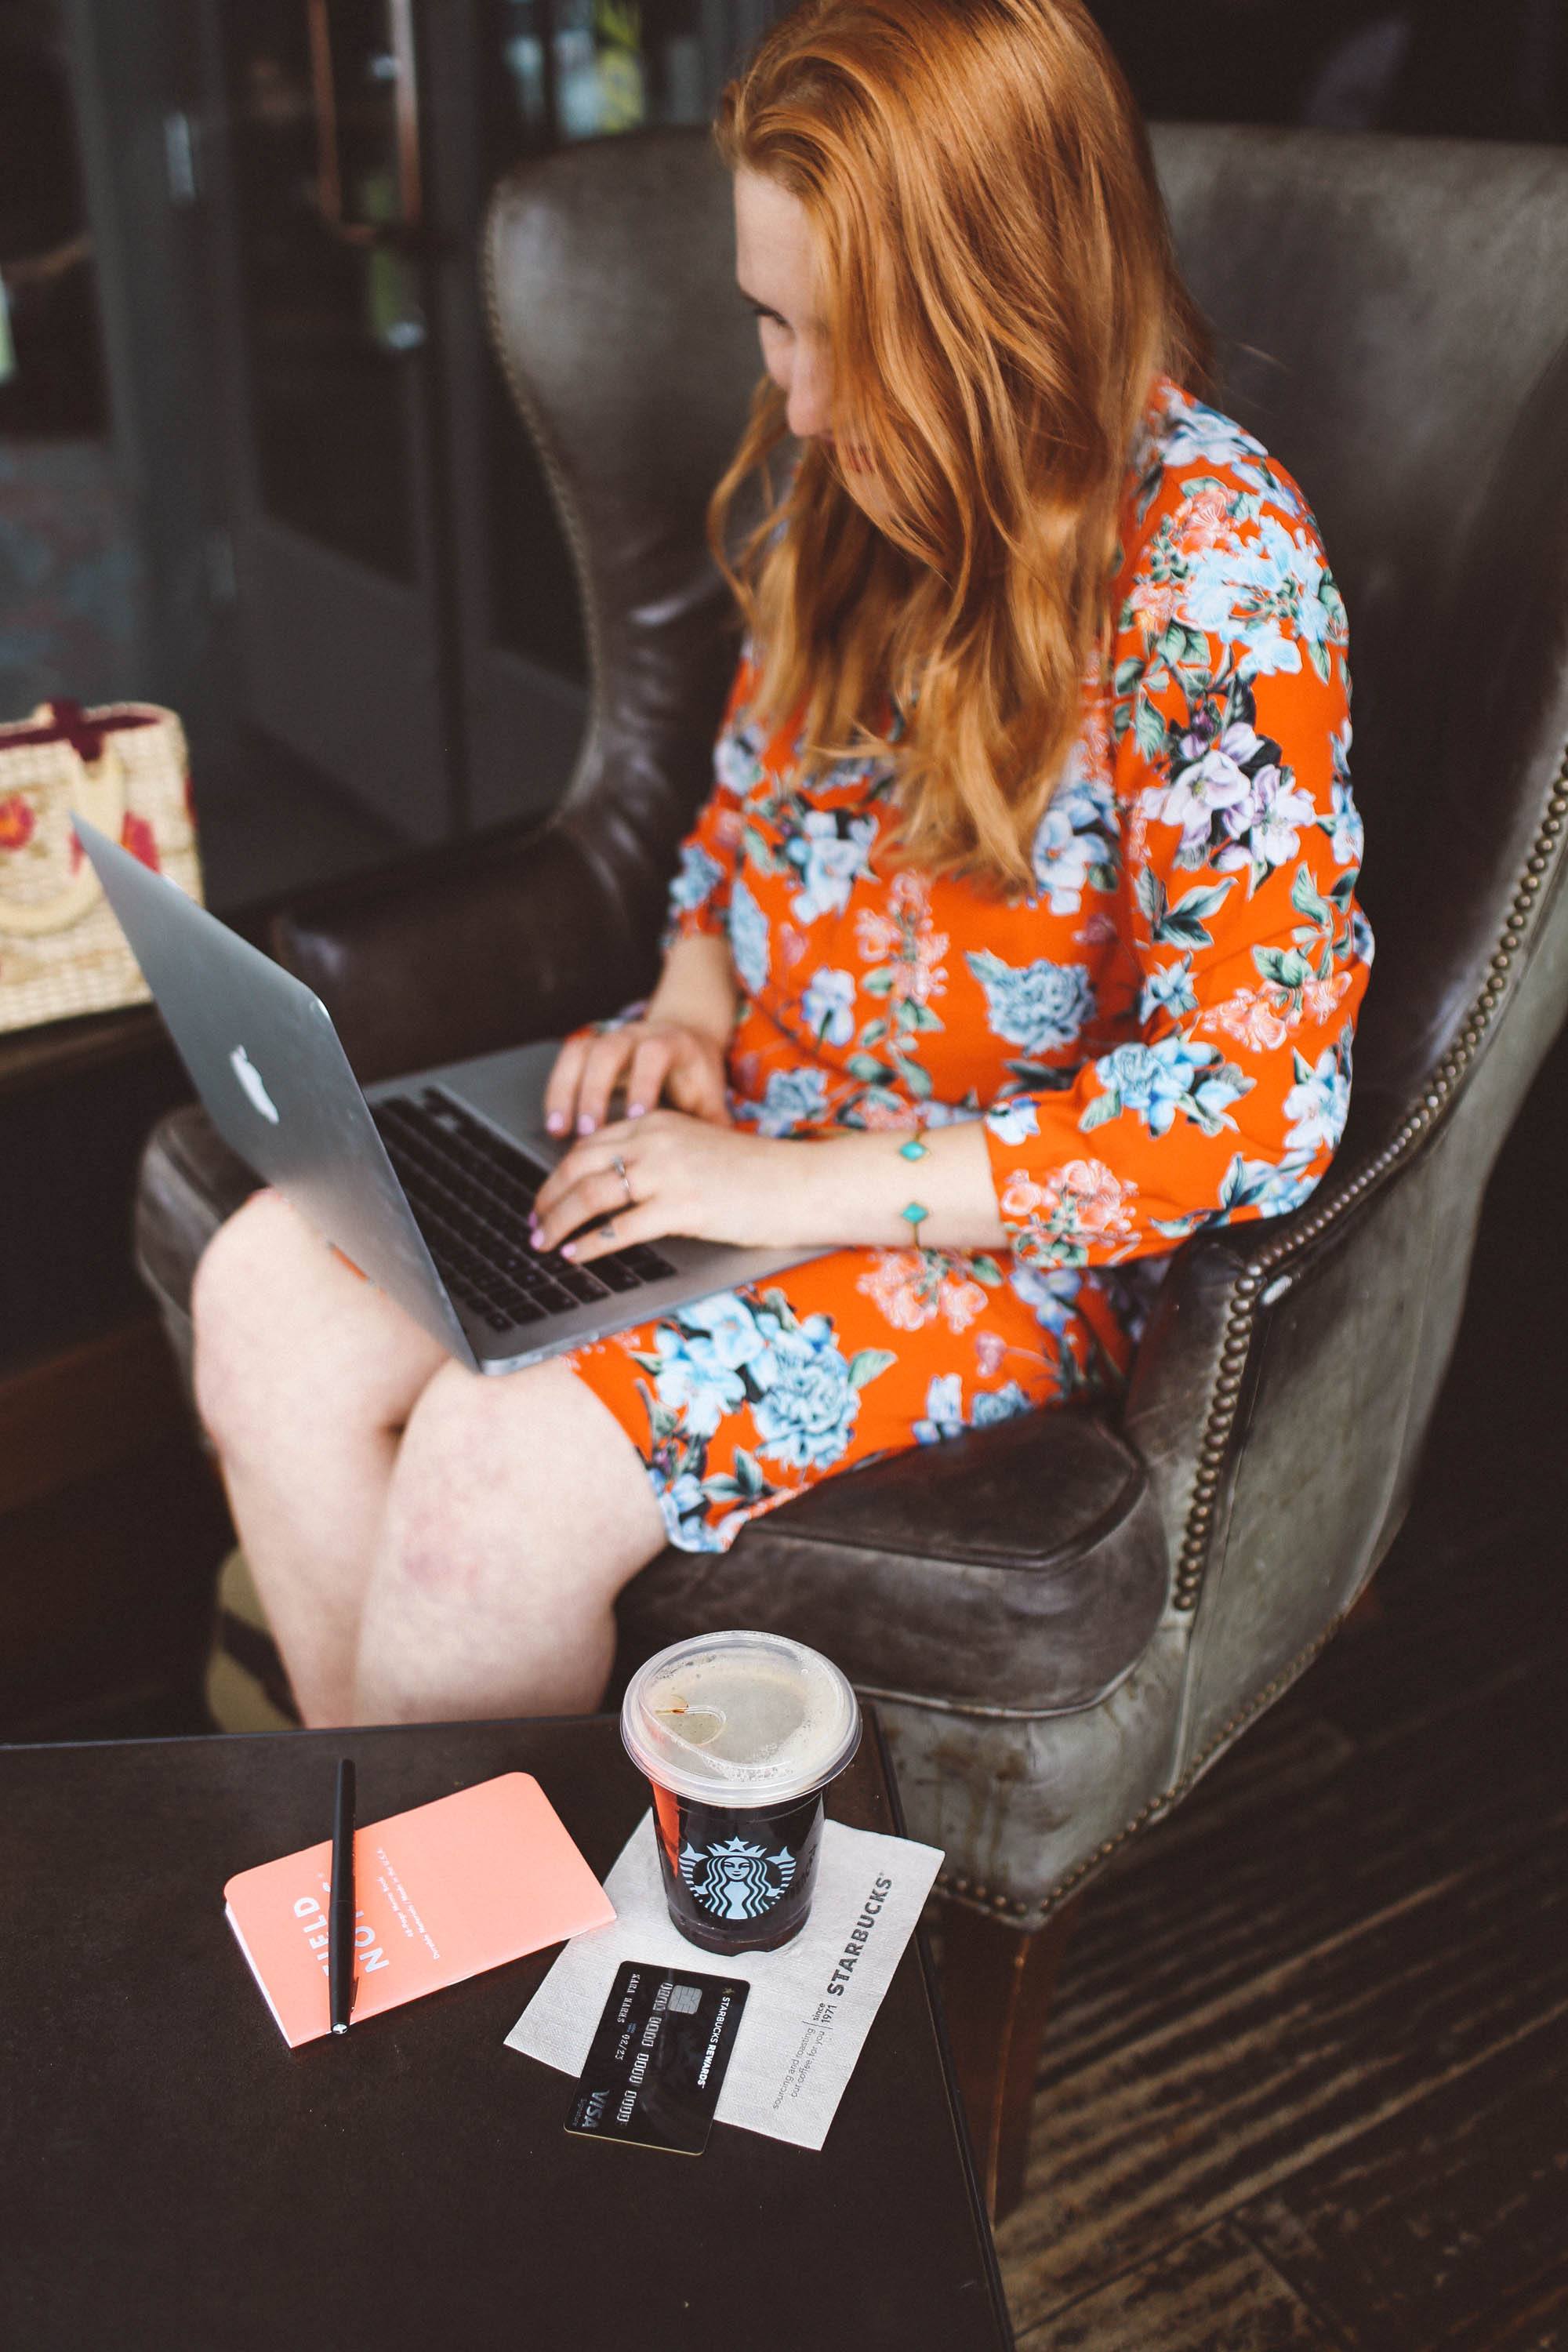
[532, 1459]
[233, 1276]
[267, 1325]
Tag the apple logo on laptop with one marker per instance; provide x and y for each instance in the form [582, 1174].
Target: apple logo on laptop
[255, 1086]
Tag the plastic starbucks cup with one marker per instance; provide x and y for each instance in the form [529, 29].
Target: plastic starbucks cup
[739, 1734]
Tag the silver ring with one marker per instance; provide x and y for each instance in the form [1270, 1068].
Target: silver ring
[608, 1229]
[619, 1166]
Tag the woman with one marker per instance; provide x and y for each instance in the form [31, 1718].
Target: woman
[1017, 940]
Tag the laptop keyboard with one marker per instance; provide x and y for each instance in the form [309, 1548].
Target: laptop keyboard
[471, 1194]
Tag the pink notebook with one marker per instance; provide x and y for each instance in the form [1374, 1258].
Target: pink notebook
[441, 1893]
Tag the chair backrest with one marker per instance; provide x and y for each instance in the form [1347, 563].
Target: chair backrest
[1391, 315]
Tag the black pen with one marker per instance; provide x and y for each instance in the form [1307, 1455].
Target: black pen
[341, 1903]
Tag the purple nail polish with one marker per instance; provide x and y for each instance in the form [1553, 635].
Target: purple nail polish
[556, 1123]
[635, 1110]
[568, 1249]
[584, 1125]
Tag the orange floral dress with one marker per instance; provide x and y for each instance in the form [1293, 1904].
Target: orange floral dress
[1157, 1034]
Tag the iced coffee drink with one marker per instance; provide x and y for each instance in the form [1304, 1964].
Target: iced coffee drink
[739, 1734]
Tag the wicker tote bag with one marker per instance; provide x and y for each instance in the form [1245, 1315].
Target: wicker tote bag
[124, 767]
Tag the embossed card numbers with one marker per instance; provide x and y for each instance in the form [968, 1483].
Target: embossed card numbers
[658, 2057]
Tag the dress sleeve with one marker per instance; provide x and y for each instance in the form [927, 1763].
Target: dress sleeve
[1242, 850]
[699, 893]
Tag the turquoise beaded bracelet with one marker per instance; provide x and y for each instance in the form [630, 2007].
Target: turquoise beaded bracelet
[916, 1212]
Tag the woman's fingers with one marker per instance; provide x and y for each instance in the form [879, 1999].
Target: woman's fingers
[644, 1223]
[596, 1192]
[696, 1085]
[646, 1078]
[684, 1068]
[606, 1059]
[561, 1087]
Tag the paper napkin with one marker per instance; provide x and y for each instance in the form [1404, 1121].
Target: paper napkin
[811, 2003]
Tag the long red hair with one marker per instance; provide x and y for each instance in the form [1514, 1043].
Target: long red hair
[999, 294]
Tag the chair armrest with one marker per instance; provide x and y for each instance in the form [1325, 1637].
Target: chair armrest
[490, 943]
[190, 1181]
[1019, 1568]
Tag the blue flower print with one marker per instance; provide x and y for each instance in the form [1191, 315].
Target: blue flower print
[1013, 1120]
[808, 1407]
[1268, 599]
[1041, 1006]
[993, 1405]
[1157, 1081]
[1344, 827]
[1077, 843]
[699, 877]
[795, 1098]
[749, 942]
[1275, 1190]
[683, 1500]
[691, 1381]
[830, 861]
[737, 760]
[724, 1329]
[1190, 433]
[1319, 1103]
[829, 1006]
[1168, 988]
[1052, 1293]
[700, 1361]
[944, 1410]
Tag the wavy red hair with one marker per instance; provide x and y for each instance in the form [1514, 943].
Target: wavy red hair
[1000, 293]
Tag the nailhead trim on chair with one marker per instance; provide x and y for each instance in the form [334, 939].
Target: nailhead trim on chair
[1194, 1557]
[1233, 1352]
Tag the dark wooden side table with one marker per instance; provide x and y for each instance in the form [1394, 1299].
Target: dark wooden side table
[172, 2175]
[112, 1524]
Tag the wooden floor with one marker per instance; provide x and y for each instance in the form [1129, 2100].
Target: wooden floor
[1307, 2082]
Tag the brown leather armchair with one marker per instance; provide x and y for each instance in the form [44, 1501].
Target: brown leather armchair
[1066, 1619]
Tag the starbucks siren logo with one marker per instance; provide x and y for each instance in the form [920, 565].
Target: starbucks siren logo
[734, 1880]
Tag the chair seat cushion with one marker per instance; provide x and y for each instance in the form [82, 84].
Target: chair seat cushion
[1018, 1570]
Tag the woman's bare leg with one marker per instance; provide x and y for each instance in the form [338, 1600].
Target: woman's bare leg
[517, 1510]
[304, 1377]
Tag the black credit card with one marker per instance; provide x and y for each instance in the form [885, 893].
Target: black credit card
[659, 2054]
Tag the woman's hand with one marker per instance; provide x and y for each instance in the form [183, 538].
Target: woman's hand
[683, 1175]
[653, 1058]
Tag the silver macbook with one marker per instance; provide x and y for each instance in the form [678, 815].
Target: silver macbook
[425, 1183]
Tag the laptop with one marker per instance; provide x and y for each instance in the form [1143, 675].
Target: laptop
[424, 1182]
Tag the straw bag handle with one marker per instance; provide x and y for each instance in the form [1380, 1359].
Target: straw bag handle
[100, 796]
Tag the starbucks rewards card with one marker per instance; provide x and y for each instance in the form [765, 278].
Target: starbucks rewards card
[809, 2006]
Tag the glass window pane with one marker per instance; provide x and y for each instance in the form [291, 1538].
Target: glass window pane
[330, 302]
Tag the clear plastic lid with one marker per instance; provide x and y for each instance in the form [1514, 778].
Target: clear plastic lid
[740, 1720]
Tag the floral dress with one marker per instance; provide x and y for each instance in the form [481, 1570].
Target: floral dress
[1157, 1034]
